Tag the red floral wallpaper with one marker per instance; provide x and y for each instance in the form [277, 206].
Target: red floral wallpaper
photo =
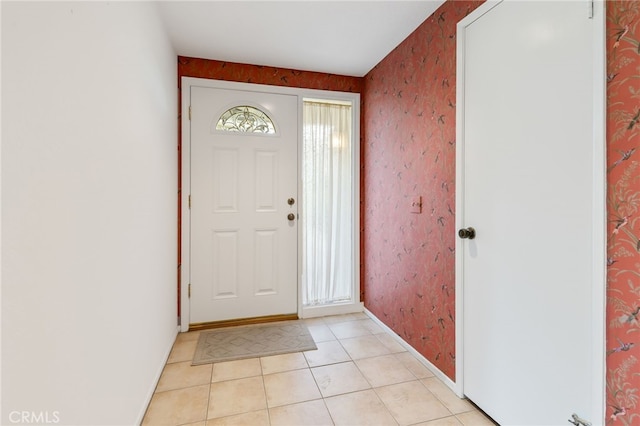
[219, 70]
[409, 151]
[623, 205]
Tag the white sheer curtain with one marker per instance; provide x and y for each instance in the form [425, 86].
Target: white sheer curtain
[327, 204]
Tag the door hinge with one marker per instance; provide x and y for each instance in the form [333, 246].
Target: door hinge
[189, 112]
[189, 201]
[189, 291]
[591, 6]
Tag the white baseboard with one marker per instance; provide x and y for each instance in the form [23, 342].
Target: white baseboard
[326, 310]
[435, 370]
[152, 389]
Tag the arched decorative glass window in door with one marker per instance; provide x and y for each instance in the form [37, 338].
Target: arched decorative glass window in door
[246, 119]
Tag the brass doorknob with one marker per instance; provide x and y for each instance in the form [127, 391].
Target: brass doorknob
[469, 233]
[291, 216]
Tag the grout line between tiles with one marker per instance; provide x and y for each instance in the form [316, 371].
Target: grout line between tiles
[206, 413]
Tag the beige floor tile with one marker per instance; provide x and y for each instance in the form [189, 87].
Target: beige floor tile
[290, 387]
[384, 370]
[310, 413]
[236, 397]
[348, 329]
[364, 347]
[202, 423]
[253, 418]
[188, 336]
[183, 375]
[416, 367]
[411, 402]
[445, 421]
[178, 407]
[314, 321]
[182, 351]
[371, 325]
[390, 343]
[321, 333]
[341, 378]
[447, 397]
[359, 408]
[238, 369]
[327, 353]
[284, 362]
[333, 319]
[474, 418]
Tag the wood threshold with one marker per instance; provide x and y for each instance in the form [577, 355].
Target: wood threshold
[241, 321]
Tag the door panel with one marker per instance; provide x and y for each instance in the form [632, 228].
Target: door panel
[243, 246]
[224, 180]
[266, 182]
[528, 192]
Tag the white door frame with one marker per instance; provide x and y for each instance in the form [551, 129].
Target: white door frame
[599, 272]
[185, 237]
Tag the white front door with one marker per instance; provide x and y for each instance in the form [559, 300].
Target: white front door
[532, 185]
[244, 224]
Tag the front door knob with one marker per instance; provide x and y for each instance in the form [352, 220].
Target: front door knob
[291, 216]
[469, 233]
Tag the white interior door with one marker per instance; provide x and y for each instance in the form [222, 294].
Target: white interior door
[243, 227]
[531, 185]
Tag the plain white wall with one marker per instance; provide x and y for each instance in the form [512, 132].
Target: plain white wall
[89, 170]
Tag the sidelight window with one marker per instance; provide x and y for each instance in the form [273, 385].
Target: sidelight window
[328, 181]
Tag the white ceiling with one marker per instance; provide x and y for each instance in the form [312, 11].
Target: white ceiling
[339, 37]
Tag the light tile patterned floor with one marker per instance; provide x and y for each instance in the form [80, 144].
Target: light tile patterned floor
[359, 375]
